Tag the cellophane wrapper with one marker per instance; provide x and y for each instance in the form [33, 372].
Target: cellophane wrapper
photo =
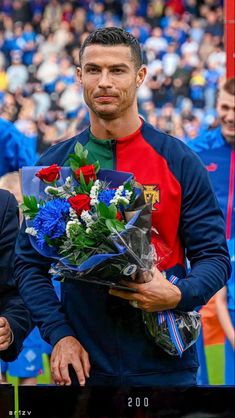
[188, 324]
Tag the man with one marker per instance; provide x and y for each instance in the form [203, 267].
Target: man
[216, 149]
[100, 335]
[14, 317]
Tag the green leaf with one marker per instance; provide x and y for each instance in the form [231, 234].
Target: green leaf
[30, 202]
[85, 154]
[78, 149]
[74, 165]
[75, 158]
[97, 166]
[103, 210]
[82, 182]
[128, 186]
[53, 192]
[112, 211]
[88, 242]
[89, 186]
[114, 224]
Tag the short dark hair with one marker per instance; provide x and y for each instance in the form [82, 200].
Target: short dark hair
[229, 86]
[114, 36]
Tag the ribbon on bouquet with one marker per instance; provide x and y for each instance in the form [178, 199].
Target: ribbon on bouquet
[169, 317]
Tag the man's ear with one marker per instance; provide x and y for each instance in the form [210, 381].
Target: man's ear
[79, 75]
[141, 74]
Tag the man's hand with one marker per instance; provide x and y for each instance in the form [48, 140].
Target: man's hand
[6, 336]
[156, 295]
[69, 351]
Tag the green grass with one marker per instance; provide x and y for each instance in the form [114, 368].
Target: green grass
[215, 363]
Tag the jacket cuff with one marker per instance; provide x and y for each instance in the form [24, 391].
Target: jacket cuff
[59, 333]
[189, 300]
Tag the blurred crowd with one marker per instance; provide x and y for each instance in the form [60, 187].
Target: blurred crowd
[182, 42]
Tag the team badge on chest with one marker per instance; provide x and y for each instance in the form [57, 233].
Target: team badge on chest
[152, 194]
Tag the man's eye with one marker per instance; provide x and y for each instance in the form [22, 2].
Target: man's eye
[225, 108]
[117, 70]
[92, 70]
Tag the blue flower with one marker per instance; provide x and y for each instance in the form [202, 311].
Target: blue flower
[51, 220]
[106, 195]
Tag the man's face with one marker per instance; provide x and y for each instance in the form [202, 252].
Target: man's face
[226, 112]
[109, 78]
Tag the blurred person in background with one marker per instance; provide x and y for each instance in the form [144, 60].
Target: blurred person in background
[15, 322]
[53, 14]
[15, 151]
[17, 73]
[28, 364]
[216, 149]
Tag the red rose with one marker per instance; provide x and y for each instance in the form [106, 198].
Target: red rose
[88, 172]
[49, 174]
[80, 202]
[119, 216]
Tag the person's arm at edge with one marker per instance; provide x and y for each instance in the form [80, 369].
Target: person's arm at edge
[223, 315]
[18, 317]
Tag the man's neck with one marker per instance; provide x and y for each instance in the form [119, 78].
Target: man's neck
[115, 128]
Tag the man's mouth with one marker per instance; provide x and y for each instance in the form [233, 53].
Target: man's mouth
[230, 126]
[105, 98]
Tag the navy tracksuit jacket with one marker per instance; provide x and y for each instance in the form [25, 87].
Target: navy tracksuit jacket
[189, 221]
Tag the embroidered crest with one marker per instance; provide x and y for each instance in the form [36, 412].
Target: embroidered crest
[152, 194]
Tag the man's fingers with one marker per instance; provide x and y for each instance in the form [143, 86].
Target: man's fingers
[78, 367]
[5, 339]
[2, 322]
[55, 371]
[69, 352]
[4, 332]
[64, 372]
[86, 363]
[4, 345]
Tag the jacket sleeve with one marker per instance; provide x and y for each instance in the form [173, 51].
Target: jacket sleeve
[11, 305]
[202, 230]
[18, 316]
[37, 291]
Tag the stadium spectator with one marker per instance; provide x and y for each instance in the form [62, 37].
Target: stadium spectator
[216, 149]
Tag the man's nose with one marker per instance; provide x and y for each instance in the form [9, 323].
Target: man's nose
[105, 80]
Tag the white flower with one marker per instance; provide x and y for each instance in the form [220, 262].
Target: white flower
[68, 181]
[94, 193]
[119, 198]
[48, 189]
[72, 214]
[70, 224]
[87, 218]
[88, 230]
[31, 231]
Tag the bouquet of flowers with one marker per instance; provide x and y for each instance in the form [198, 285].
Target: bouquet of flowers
[95, 226]
[94, 223]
